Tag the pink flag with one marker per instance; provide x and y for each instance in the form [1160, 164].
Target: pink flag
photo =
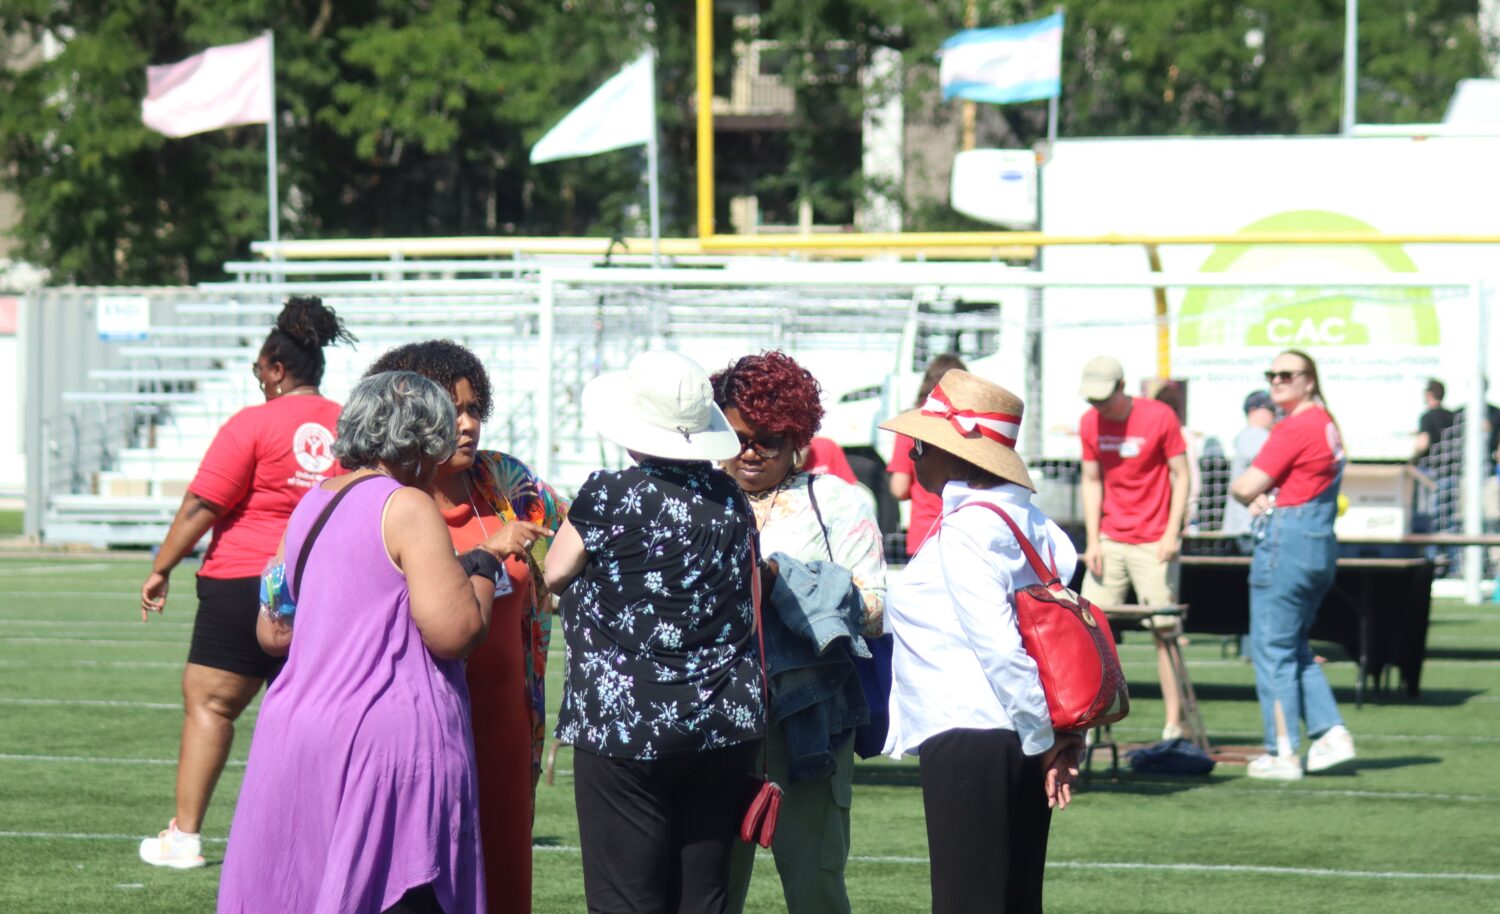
[221, 87]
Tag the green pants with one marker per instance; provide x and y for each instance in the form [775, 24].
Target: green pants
[812, 836]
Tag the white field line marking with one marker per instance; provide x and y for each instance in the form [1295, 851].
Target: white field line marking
[1363, 736]
[1215, 788]
[86, 836]
[79, 623]
[91, 760]
[1466, 617]
[1306, 792]
[1248, 869]
[52, 664]
[1273, 793]
[53, 569]
[94, 642]
[93, 703]
[73, 593]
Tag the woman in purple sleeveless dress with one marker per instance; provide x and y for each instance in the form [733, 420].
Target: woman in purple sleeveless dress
[359, 795]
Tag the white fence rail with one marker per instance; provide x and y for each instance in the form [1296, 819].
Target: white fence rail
[544, 328]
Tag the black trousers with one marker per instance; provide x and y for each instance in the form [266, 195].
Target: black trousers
[987, 821]
[656, 835]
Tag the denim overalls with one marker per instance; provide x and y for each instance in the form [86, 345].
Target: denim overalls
[1291, 572]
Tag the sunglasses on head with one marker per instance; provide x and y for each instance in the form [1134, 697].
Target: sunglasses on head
[1282, 377]
[767, 448]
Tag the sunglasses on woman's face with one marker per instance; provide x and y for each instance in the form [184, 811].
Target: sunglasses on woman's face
[767, 448]
[1282, 377]
[916, 450]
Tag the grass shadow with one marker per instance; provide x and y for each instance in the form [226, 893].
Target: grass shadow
[1353, 769]
[1463, 653]
[1147, 785]
[1396, 696]
[879, 775]
[1218, 691]
[546, 841]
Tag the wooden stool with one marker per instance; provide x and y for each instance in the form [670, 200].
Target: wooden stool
[1133, 616]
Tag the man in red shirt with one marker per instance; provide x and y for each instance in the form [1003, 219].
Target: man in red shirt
[1135, 487]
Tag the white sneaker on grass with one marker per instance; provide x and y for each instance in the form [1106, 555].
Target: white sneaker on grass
[1270, 767]
[1330, 750]
[176, 849]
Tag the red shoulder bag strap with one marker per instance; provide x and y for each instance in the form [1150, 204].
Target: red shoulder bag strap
[1046, 573]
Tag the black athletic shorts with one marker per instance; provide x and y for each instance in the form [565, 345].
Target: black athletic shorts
[224, 630]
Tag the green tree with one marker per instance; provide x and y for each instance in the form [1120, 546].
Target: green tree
[394, 119]
[398, 118]
[1167, 67]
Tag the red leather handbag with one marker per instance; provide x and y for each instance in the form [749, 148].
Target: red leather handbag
[759, 822]
[1070, 640]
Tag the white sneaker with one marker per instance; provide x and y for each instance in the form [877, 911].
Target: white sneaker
[1330, 750]
[173, 848]
[1171, 731]
[1270, 767]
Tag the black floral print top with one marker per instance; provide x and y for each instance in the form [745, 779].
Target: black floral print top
[659, 626]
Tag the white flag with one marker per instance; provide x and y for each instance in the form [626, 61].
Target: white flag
[1018, 63]
[222, 87]
[620, 113]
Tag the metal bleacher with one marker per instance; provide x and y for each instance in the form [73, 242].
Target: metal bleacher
[122, 453]
[128, 433]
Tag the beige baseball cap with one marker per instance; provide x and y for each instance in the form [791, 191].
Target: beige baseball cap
[1100, 376]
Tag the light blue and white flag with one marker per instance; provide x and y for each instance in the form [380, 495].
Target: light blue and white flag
[1015, 63]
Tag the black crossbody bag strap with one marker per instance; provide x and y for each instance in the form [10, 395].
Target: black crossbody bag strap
[812, 496]
[317, 527]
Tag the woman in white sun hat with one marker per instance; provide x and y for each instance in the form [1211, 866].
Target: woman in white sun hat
[662, 696]
[965, 695]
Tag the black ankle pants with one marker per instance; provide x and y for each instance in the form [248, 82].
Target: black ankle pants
[987, 822]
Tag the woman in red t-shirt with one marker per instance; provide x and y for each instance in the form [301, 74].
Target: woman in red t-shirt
[1292, 490]
[926, 507]
[491, 497]
[260, 464]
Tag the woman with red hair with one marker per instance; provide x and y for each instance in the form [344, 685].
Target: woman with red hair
[773, 404]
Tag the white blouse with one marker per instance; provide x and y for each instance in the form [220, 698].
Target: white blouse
[958, 660]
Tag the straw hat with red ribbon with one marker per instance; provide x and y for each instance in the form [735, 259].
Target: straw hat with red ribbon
[970, 418]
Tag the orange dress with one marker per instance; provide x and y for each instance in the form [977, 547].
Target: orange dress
[501, 712]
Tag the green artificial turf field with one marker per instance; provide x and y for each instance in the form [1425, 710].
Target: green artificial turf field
[89, 717]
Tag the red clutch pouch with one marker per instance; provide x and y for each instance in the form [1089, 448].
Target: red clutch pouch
[759, 824]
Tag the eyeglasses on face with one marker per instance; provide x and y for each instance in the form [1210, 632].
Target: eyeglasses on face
[1282, 377]
[255, 369]
[916, 450]
[766, 448]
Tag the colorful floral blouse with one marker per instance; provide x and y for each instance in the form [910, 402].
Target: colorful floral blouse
[659, 624]
[514, 492]
[847, 535]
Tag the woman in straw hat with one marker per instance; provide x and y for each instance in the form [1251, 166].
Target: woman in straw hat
[966, 696]
[663, 695]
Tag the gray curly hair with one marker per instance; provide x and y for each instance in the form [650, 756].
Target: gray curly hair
[398, 418]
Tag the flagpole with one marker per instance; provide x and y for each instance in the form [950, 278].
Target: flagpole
[1347, 117]
[652, 179]
[1052, 102]
[272, 192]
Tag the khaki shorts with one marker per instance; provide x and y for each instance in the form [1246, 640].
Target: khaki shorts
[1128, 565]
